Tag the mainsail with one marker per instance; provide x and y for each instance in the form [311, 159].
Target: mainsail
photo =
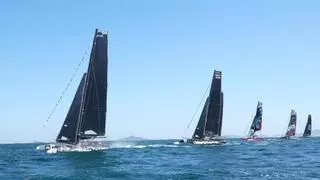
[87, 114]
[210, 121]
[94, 103]
[214, 111]
[307, 131]
[291, 131]
[257, 120]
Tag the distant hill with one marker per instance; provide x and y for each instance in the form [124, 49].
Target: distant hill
[132, 138]
[315, 132]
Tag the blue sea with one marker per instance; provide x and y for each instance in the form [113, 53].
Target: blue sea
[167, 159]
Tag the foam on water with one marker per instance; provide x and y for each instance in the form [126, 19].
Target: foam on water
[73, 149]
[40, 147]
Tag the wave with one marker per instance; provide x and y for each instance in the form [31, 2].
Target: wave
[126, 146]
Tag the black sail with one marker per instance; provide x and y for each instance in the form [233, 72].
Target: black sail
[307, 131]
[68, 132]
[93, 117]
[198, 133]
[291, 131]
[214, 115]
[221, 115]
[257, 120]
[87, 112]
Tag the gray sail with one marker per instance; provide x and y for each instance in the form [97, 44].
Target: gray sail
[68, 131]
[214, 115]
[257, 120]
[198, 133]
[307, 130]
[93, 119]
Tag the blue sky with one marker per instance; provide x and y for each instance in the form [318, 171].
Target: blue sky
[161, 59]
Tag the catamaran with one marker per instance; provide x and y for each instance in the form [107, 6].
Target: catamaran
[255, 126]
[208, 130]
[86, 118]
[307, 130]
[291, 130]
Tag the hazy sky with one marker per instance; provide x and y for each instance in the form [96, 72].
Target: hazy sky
[161, 59]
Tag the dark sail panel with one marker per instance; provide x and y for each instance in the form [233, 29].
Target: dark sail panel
[291, 131]
[198, 133]
[221, 115]
[257, 120]
[95, 101]
[307, 131]
[68, 130]
[213, 126]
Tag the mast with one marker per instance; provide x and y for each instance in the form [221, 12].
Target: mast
[291, 131]
[307, 130]
[257, 120]
[215, 107]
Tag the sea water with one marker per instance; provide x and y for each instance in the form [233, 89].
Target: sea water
[168, 159]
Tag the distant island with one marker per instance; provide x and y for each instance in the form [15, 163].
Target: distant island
[315, 132]
[132, 138]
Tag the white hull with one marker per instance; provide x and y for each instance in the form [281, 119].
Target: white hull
[51, 151]
[81, 147]
[210, 142]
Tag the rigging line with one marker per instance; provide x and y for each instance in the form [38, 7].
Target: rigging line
[67, 87]
[197, 108]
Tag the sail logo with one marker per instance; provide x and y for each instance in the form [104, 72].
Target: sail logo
[217, 75]
[291, 127]
[291, 130]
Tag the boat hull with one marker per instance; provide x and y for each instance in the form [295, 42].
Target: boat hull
[81, 147]
[207, 142]
[213, 142]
